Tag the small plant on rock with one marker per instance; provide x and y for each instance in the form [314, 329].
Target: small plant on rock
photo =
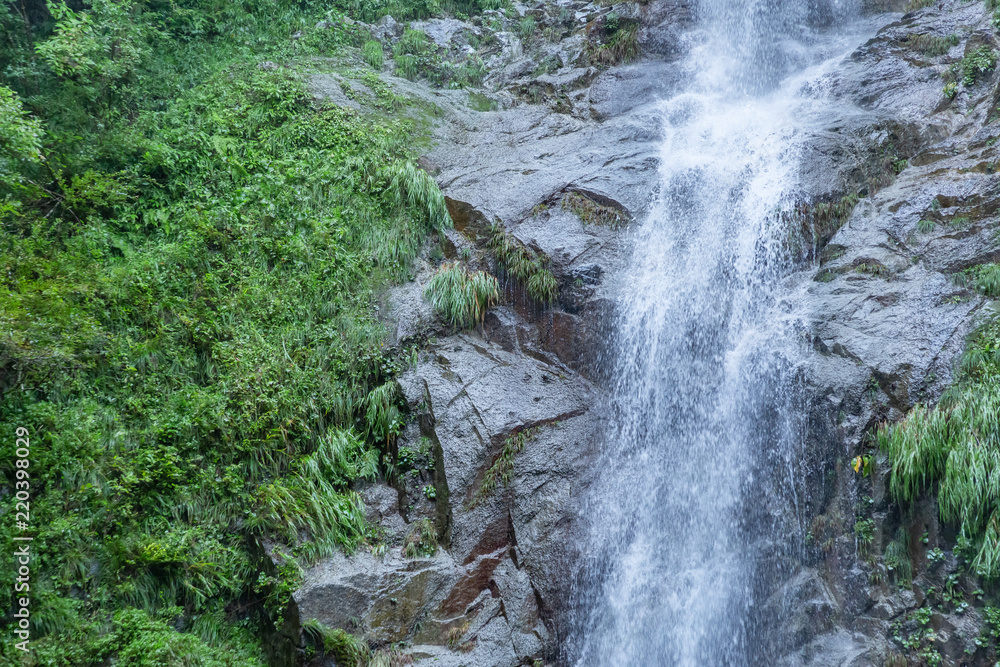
[978, 62]
[422, 540]
[526, 28]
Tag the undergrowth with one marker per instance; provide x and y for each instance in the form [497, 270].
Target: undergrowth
[192, 249]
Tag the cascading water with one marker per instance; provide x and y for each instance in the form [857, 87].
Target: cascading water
[696, 515]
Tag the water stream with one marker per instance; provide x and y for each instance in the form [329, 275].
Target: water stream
[696, 516]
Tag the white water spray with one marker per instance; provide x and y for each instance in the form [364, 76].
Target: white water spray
[696, 514]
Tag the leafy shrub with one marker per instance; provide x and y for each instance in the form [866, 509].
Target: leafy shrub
[186, 308]
[460, 297]
[978, 62]
[20, 137]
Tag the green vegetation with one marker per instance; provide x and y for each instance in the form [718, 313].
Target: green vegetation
[523, 265]
[192, 249]
[526, 28]
[978, 62]
[371, 11]
[421, 541]
[502, 470]
[373, 55]
[345, 648]
[954, 447]
[932, 46]
[925, 226]
[416, 56]
[897, 557]
[620, 45]
[817, 223]
[590, 212]
[460, 297]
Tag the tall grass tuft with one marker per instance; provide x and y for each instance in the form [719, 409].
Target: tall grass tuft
[460, 297]
[373, 54]
[345, 648]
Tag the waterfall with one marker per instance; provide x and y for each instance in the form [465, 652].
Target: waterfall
[695, 516]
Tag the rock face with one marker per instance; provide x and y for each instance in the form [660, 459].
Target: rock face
[887, 323]
[503, 422]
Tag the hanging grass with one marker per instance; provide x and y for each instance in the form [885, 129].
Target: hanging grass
[523, 265]
[460, 297]
[622, 46]
[955, 449]
[897, 557]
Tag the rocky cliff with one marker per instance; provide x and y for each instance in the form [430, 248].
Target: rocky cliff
[559, 149]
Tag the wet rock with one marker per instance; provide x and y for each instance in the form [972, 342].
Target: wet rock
[887, 319]
[387, 30]
[493, 587]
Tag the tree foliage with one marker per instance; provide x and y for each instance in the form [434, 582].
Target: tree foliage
[192, 249]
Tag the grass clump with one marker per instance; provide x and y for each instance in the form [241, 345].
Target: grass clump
[925, 226]
[373, 54]
[421, 542]
[955, 448]
[523, 265]
[897, 557]
[460, 297]
[345, 648]
[620, 46]
[931, 45]
[984, 278]
[817, 223]
[526, 28]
